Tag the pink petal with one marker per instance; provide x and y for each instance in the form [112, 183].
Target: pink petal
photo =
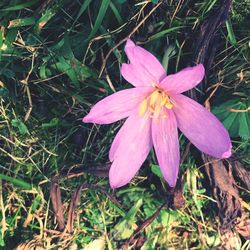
[166, 144]
[135, 76]
[117, 106]
[118, 138]
[144, 68]
[129, 150]
[201, 127]
[184, 80]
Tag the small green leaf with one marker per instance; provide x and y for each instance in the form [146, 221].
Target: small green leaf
[167, 217]
[244, 128]
[36, 203]
[125, 228]
[11, 36]
[235, 121]
[53, 123]
[76, 71]
[169, 53]
[63, 65]
[20, 125]
[42, 71]
[156, 170]
[231, 124]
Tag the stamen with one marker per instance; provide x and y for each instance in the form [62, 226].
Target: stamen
[154, 97]
[164, 100]
[169, 105]
[155, 104]
[143, 107]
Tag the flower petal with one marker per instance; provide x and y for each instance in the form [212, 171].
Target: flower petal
[184, 80]
[144, 68]
[117, 106]
[135, 76]
[201, 127]
[129, 150]
[166, 145]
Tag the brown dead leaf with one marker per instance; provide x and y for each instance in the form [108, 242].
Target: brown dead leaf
[232, 216]
[224, 189]
[98, 170]
[55, 195]
[241, 173]
[243, 227]
[176, 198]
[220, 173]
[73, 205]
[35, 244]
[76, 198]
[28, 220]
[241, 75]
[230, 241]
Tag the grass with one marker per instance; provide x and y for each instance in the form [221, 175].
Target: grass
[50, 59]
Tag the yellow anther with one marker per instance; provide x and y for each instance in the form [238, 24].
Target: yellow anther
[164, 100]
[154, 97]
[143, 107]
[154, 104]
[169, 105]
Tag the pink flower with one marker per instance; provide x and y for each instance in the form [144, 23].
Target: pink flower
[155, 108]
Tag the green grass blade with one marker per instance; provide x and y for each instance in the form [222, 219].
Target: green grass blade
[231, 35]
[20, 22]
[21, 6]
[18, 182]
[47, 15]
[164, 32]
[1, 38]
[101, 14]
[81, 11]
[116, 13]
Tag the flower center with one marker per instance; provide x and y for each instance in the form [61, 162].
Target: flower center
[155, 103]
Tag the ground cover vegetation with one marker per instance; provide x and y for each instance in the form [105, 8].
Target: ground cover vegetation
[57, 59]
